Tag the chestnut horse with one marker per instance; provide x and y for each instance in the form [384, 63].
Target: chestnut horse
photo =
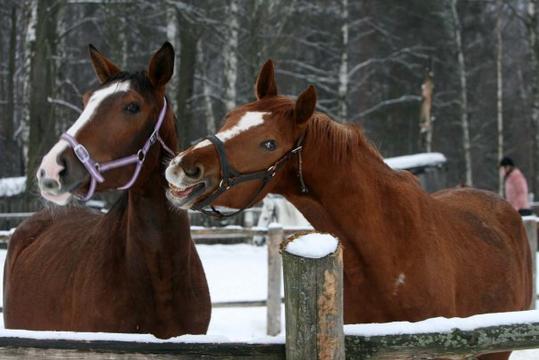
[134, 269]
[408, 255]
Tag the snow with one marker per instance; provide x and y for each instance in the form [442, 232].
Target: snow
[100, 336]
[12, 186]
[416, 160]
[7, 233]
[314, 245]
[243, 325]
[443, 325]
[274, 225]
[530, 217]
[236, 272]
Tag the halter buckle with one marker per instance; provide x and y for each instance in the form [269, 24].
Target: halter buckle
[81, 153]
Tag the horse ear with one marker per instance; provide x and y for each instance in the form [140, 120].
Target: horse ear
[103, 67]
[161, 66]
[265, 83]
[305, 105]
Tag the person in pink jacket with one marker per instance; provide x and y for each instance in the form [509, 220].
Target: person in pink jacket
[516, 186]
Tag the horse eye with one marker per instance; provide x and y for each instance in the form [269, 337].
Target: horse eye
[269, 145]
[133, 108]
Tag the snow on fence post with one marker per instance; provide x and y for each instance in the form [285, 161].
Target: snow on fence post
[313, 282]
[275, 237]
[530, 223]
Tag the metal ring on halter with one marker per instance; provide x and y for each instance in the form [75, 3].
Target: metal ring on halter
[141, 155]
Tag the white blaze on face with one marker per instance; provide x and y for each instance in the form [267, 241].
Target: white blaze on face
[250, 119]
[49, 165]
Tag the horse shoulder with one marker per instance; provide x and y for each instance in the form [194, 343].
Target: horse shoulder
[27, 233]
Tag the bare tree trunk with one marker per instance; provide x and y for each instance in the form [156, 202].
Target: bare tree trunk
[531, 25]
[206, 91]
[499, 93]
[186, 77]
[463, 94]
[425, 114]
[11, 165]
[172, 34]
[29, 51]
[230, 54]
[343, 68]
[42, 75]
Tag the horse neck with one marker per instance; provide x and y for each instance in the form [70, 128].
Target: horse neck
[151, 227]
[358, 198]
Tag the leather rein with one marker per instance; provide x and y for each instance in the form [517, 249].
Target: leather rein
[231, 177]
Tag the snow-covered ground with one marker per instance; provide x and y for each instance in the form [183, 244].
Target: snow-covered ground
[239, 272]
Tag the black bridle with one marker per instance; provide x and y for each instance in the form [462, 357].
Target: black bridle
[231, 177]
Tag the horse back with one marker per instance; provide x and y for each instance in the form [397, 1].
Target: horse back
[494, 253]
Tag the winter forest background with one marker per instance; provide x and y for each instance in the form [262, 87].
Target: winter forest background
[367, 58]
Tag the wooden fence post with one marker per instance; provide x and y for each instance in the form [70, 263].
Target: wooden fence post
[313, 301]
[273, 305]
[530, 223]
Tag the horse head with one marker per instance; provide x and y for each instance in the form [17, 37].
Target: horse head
[112, 138]
[242, 162]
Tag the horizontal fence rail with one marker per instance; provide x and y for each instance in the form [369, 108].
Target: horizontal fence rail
[515, 331]
[50, 345]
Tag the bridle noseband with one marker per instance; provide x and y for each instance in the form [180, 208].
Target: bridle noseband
[96, 169]
[231, 177]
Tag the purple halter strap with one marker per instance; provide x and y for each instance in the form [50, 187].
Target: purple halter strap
[96, 169]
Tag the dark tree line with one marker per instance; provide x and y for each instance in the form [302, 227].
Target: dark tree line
[367, 59]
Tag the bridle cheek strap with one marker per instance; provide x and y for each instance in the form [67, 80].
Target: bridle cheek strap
[96, 169]
[230, 177]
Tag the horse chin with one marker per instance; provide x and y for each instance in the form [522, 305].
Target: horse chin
[187, 197]
[58, 199]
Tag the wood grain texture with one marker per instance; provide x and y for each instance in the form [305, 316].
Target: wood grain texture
[314, 306]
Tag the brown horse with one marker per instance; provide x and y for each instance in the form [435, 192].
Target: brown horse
[408, 255]
[134, 269]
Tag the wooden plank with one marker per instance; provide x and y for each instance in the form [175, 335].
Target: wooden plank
[273, 310]
[455, 344]
[17, 348]
[16, 215]
[314, 306]
[530, 223]
[246, 303]
[216, 235]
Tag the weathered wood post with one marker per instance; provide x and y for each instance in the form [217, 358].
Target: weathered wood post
[313, 283]
[273, 304]
[530, 223]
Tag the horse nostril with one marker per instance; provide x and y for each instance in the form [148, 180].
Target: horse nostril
[193, 172]
[50, 184]
[63, 163]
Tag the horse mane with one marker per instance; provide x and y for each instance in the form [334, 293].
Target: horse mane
[345, 142]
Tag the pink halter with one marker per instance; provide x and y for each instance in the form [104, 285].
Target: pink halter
[95, 169]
